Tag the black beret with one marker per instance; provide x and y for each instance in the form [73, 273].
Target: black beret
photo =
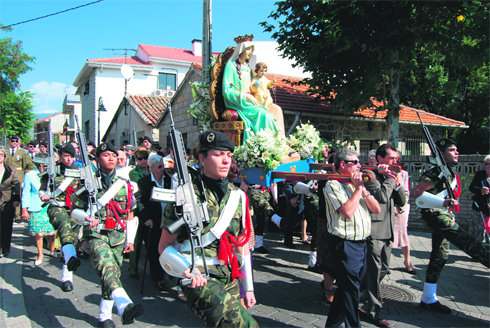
[333, 149]
[146, 138]
[67, 148]
[105, 146]
[31, 143]
[216, 140]
[14, 136]
[90, 143]
[442, 144]
[43, 143]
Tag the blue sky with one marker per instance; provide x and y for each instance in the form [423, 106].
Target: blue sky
[62, 43]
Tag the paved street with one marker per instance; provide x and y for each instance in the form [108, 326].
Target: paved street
[287, 294]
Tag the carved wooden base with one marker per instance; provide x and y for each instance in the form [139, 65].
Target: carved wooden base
[233, 129]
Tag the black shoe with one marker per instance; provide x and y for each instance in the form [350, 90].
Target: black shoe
[262, 250]
[130, 312]
[106, 324]
[5, 254]
[67, 286]
[73, 264]
[435, 307]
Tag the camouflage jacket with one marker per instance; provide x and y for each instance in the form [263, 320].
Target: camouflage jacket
[120, 200]
[214, 210]
[61, 198]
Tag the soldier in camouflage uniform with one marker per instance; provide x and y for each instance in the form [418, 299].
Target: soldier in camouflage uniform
[107, 240]
[263, 211]
[215, 300]
[58, 213]
[440, 218]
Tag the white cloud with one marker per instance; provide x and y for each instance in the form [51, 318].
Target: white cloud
[49, 96]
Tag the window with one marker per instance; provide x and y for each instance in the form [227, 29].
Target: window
[413, 145]
[86, 90]
[87, 130]
[167, 81]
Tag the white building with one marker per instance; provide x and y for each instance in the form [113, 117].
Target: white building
[157, 70]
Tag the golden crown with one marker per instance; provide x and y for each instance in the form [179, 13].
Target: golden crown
[243, 38]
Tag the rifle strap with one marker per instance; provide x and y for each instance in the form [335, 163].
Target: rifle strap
[62, 187]
[223, 222]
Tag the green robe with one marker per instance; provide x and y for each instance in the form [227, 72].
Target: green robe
[255, 117]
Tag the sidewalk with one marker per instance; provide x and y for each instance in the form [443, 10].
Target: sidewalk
[287, 294]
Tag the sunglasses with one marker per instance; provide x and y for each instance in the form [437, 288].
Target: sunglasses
[141, 158]
[353, 161]
[14, 140]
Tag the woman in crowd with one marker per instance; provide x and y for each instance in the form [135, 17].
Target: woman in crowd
[9, 200]
[480, 187]
[216, 298]
[34, 212]
[400, 233]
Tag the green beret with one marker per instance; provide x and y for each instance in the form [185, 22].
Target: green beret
[105, 146]
[216, 140]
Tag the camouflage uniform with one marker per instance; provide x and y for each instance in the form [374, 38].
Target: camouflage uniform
[446, 230]
[58, 214]
[105, 247]
[217, 303]
[260, 199]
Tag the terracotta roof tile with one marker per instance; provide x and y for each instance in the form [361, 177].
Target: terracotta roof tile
[130, 60]
[150, 108]
[295, 98]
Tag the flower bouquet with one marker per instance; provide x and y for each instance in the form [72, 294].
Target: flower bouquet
[306, 141]
[263, 149]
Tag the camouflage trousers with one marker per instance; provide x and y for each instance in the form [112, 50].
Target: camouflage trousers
[218, 304]
[263, 210]
[446, 230]
[60, 219]
[106, 255]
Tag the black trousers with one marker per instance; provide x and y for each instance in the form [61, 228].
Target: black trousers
[6, 226]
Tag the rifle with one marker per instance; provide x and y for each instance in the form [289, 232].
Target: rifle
[329, 167]
[301, 177]
[187, 209]
[445, 174]
[52, 169]
[91, 183]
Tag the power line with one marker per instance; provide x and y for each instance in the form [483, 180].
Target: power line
[56, 13]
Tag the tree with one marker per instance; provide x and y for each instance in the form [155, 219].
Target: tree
[15, 105]
[356, 50]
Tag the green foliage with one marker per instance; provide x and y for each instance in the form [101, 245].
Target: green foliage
[429, 55]
[200, 108]
[15, 105]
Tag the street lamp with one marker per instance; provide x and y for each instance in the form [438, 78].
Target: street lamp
[100, 109]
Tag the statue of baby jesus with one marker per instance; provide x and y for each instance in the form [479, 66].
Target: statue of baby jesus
[259, 86]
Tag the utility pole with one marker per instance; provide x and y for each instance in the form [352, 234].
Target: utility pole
[206, 39]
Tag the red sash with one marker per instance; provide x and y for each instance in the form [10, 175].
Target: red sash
[226, 253]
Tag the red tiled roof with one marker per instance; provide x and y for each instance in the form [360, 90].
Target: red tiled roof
[172, 53]
[130, 60]
[295, 98]
[150, 108]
